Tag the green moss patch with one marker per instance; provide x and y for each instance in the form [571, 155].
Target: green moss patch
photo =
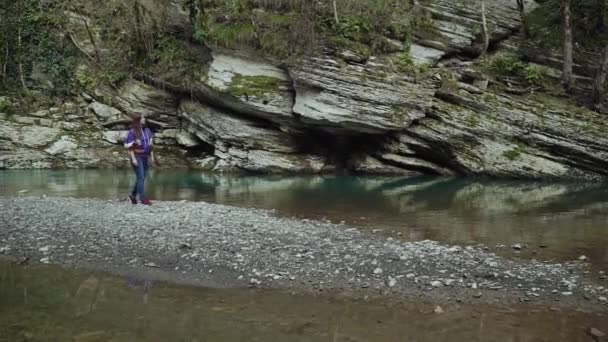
[257, 86]
[514, 153]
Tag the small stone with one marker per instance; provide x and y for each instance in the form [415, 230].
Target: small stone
[438, 310]
[567, 293]
[392, 282]
[410, 276]
[596, 333]
[44, 249]
[516, 246]
[603, 299]
[86, 96]
[185, 245]
[41, 113]
[582, 258]
[45, 260]
[455, 249]
[150, 264]
[436, 283]
[477, 295]
[254, 281]
[378, 270]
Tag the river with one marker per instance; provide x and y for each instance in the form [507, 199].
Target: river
[550, 220]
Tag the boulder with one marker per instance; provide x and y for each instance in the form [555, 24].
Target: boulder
[41, 113]
[138, 98]
[105, 112]
[354, 98]
[187, 139]
[425, 55]
[206, 164]
[64, 145]
[246, 144]
[115, 137]
[458, 22]
[35, 136]
[254, 81]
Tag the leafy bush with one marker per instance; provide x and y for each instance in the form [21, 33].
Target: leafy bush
[32, 30]
[535, 73]
[508, 65]
[504, 65]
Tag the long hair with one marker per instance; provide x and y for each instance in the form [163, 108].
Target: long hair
[137, 127]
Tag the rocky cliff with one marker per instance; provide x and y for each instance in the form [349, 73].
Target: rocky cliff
[332, 112]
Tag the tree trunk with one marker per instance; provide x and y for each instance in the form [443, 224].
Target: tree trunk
[522, 14]
[21, 77]
[336, 12]
[599, 85]
[567, 75]
[5, 64]
[484, 29]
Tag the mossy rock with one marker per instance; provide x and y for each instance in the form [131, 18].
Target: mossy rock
[514, 153]
[256, 86]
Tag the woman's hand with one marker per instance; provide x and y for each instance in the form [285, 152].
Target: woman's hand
[134, 161]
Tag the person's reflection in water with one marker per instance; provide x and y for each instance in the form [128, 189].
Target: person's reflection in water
[136, 283]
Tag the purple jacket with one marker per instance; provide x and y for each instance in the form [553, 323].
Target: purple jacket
[142, 147]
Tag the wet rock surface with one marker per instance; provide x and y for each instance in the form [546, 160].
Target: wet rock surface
[233, 247]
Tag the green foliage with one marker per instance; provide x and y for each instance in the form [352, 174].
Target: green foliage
[422, 24]
[283, 28]
[5, 105]
[508, 65]
[167, 50]
[58, 61]
[534, 73]
[405, 64]
[513, 154]
[232, 35]
[342, 43]
[405, 61]
[504, 65]
[201, 31]
[589, 20]
[30, 37]
[85, 80]
[355, 28]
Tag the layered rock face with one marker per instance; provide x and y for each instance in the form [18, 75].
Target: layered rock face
[327, 114]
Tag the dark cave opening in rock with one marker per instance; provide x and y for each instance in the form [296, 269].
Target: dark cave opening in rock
[202, 149]
[343, 150]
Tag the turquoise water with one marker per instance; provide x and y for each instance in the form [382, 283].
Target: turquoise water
[555, 220]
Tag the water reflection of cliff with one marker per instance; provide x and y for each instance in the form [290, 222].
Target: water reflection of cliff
[568, 217]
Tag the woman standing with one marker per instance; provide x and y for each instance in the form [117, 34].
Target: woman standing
[139, 144]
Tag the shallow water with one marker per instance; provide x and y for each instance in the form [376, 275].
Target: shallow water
[48, 303]
[554, 220]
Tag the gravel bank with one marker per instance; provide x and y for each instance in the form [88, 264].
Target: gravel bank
[225, 246]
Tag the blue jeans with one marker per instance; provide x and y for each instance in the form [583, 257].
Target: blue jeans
[141, 171]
